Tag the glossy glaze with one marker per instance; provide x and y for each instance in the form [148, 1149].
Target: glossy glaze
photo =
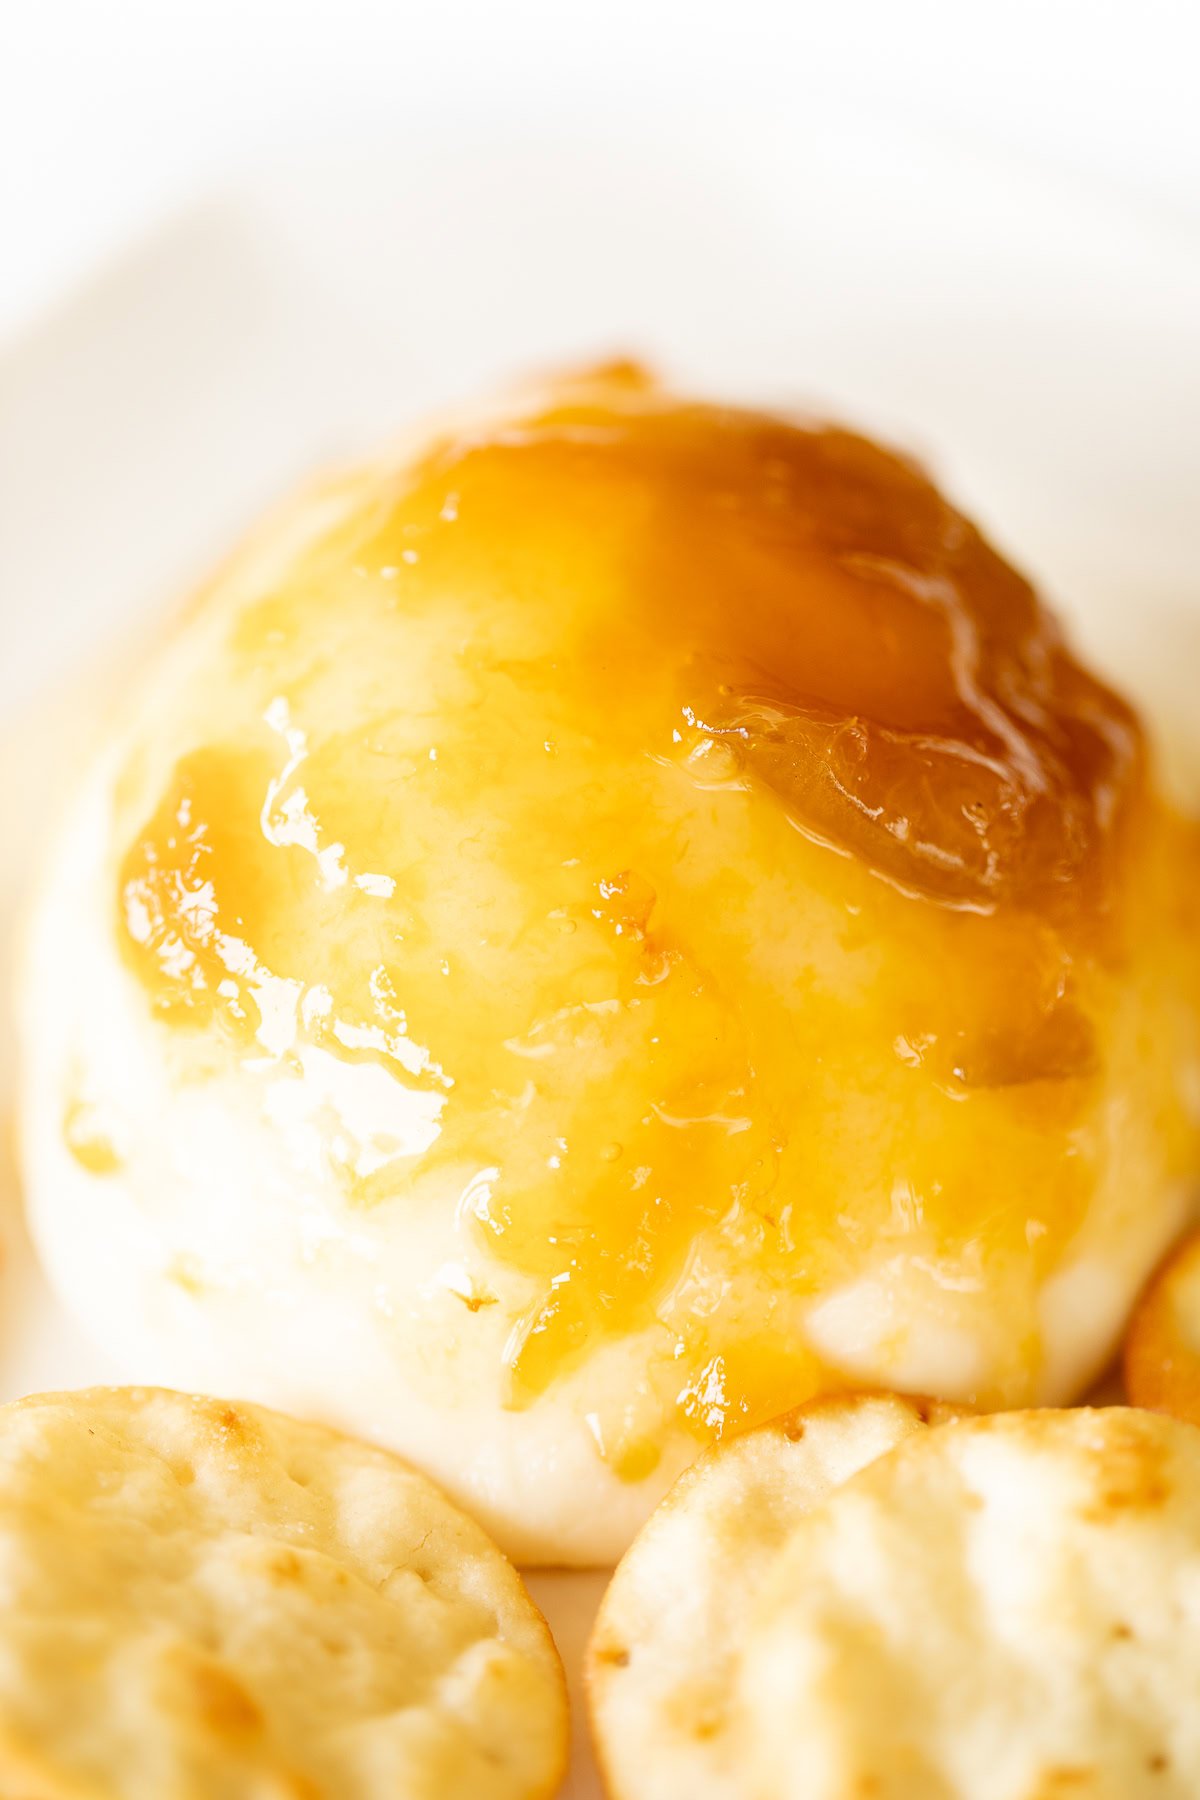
[714, 844]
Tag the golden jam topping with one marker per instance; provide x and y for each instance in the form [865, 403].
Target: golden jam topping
[713, 843]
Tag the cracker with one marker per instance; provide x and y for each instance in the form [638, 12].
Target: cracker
[663, 1659]
[1162, 1348]
[1005, 1609]
[207, 1599]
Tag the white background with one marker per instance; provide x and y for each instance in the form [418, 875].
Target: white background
[114, 112]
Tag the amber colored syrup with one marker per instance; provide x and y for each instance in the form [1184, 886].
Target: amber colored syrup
[711, 832]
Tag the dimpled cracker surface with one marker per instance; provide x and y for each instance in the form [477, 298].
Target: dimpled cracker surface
[1004, 1609]
[663, 1662]
[204, 1598]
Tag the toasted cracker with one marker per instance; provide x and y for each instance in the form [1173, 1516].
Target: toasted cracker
[1162, 1348]
[663, 1659]
[205, 1599]
[1006, 1609]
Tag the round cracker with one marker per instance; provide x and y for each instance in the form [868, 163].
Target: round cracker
[1006, 1609]
[1162, 1348]
[662, 1662]
[204, 1598]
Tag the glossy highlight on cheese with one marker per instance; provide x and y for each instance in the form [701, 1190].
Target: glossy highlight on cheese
[663, 852]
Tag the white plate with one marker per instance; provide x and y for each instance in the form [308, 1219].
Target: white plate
[1040, 349]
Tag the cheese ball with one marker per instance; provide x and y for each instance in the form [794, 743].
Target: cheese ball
[595, 928]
